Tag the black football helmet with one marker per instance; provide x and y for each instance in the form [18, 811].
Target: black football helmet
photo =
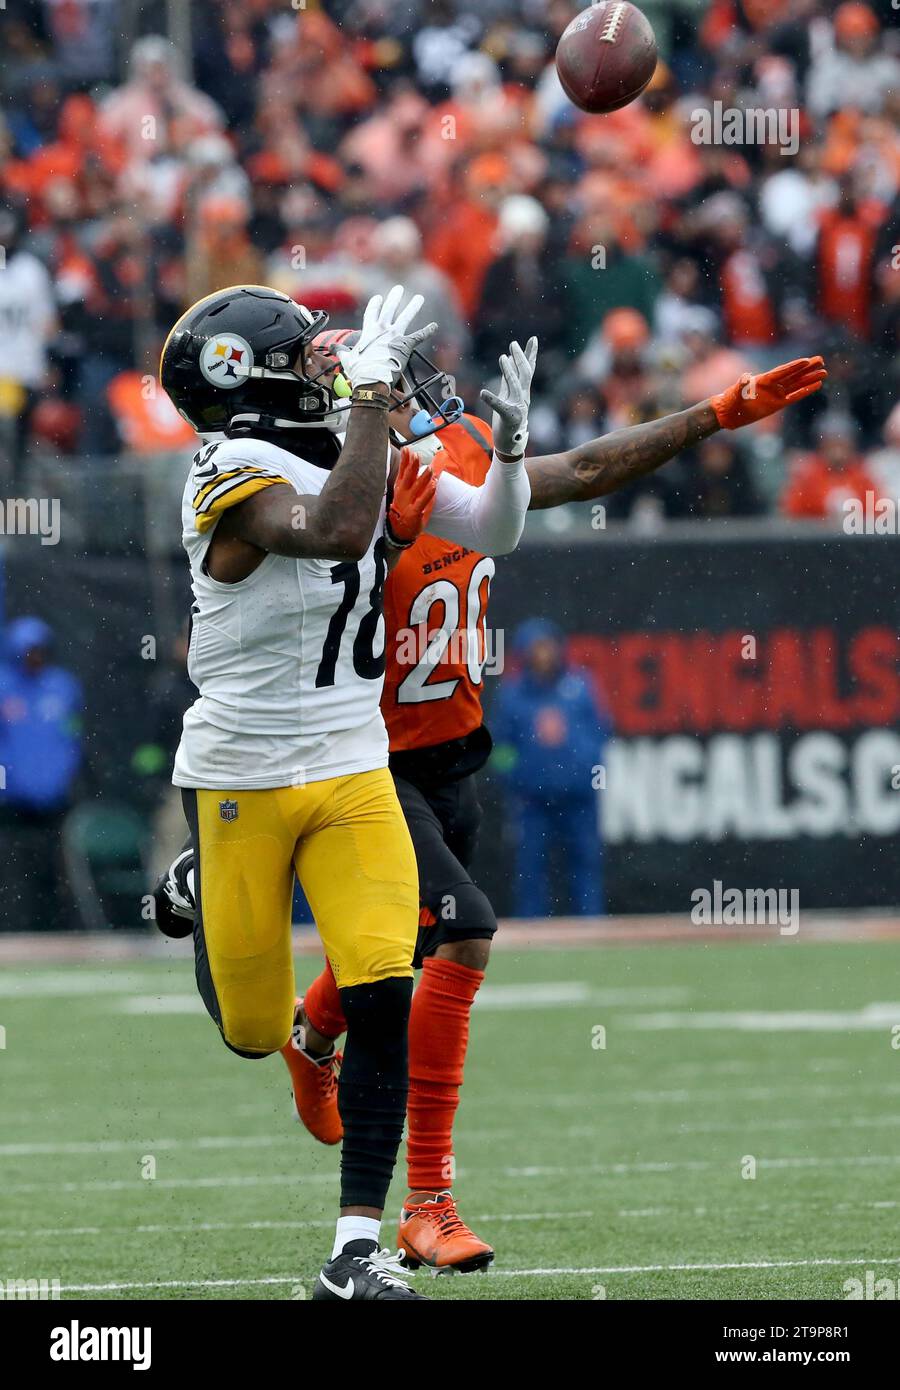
[236, 361]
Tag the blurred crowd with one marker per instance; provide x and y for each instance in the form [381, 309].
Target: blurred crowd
[335, 148]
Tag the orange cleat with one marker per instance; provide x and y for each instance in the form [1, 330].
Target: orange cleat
[431, 1233]
[314, 1084]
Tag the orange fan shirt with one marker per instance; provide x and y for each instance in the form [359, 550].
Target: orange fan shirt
[846, 253]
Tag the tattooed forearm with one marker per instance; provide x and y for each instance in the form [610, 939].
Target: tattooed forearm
[603, 465]
[338, 523]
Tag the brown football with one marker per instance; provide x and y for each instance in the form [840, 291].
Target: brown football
[606, 56]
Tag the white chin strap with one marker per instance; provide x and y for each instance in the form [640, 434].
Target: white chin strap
[335, 422]
[426, 447]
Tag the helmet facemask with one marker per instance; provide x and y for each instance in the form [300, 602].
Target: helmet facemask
[429, 413]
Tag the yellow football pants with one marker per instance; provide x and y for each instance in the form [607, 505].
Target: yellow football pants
[347, 840]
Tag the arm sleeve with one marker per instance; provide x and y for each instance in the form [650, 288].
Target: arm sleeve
[490, 518]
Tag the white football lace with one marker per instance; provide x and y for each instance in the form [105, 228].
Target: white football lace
[610, 32]
[384, 1265]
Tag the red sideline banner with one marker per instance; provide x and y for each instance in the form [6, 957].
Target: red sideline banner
[754, 691]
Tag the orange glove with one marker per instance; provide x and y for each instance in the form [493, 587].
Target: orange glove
[412, 500]
[754, 397]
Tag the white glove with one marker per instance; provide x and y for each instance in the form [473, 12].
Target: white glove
[384, 347]
[510, 422]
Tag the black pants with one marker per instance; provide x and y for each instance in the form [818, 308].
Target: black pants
[32, 879]
[443, 819]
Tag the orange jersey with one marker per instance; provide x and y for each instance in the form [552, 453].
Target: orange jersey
[435, 603]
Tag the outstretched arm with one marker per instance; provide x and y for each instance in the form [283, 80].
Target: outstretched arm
[491, 518]
[601, 466]
[604, 465]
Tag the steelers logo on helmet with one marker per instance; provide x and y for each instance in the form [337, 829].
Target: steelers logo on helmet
[226, 360]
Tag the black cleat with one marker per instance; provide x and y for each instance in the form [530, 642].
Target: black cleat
[174, 897]
[363, 1271]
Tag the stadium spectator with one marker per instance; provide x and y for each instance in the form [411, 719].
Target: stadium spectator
[222, 253]
[83, 33]
[388, 149]
[845, 262]
[40, 755]
[440, 45]
[719, 482]
[211, 170]
[820, 483]
[324, 75]
[792, 197]
[854, 70]
[156, 112]
[462, 242]
[884, 464]
[396, 247]
[678, 310]
[27, 326]
[711, 365]
[108, 300]
[145, 419]
[745, 266]
[599, 276]
[521, 285]
[616, 363]
[549, 729]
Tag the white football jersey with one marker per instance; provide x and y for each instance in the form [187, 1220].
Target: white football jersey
[289, 662]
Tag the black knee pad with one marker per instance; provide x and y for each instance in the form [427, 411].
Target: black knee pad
[373, 1087]
[464, 913]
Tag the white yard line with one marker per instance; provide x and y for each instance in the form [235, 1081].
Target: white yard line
[708, 1268]
[875, 1017]
[134, 1184]
[212, 1143]
[694, 1165]
[146, 1146]
[59, 1233]
[542, 994]
[306, 1178]
[62, 1232]
[683, 1095]
[127, 998]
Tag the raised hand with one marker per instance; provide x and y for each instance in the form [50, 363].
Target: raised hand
[754, 397]
[510, 407]
[385, 344]
[413, 499]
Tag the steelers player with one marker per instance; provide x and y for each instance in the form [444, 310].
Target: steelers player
[432, 709]
[283, 758]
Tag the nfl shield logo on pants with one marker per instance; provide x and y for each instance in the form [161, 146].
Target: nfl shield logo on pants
[228, 810]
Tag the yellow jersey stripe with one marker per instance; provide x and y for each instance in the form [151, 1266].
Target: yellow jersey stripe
[239, 491]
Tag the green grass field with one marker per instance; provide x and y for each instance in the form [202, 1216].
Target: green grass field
[595, 1171]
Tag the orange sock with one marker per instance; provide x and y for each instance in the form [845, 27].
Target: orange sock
[438, 1037]
[322, 1004]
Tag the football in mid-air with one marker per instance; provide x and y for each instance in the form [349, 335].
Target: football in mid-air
[606, 56]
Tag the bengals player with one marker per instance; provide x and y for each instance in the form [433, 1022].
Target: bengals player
[435, 609]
